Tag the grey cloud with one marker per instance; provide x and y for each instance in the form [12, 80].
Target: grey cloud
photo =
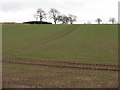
[22, 5]
[6, 7]
[84, 9]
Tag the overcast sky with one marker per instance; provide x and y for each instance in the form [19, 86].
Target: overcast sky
[85, 10]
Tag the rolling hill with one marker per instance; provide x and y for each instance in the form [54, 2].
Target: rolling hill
[71, 43]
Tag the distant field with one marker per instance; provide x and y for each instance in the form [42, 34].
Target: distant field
[78, 43]
[60, 56]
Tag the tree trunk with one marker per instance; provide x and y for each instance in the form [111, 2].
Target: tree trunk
[55, 21]
[40, 20]
[112, 22]
[98, 22]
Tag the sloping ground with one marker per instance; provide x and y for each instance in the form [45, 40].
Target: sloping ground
[60, 56]
[78, 43]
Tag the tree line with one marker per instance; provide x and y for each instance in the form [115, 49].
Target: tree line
[98, 20]
[56, 16]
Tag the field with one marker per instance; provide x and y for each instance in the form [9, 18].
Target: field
[52, 56]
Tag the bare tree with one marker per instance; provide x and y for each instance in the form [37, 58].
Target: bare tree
[66, 19]
[112, 20]
[98, 20]
[63, 18]
[54, 14]
[59, 18]
[72, 18]
[41, 14]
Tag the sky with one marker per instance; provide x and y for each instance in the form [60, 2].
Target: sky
[85, 10]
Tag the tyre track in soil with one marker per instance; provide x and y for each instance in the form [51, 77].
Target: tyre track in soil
[52, 38]
[69, 65]
[62, 34]
[22, 59]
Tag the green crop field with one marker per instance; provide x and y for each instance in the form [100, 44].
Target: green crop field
[78, 43]
[59, 56]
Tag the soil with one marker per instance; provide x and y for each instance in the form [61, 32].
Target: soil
[51, 74]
